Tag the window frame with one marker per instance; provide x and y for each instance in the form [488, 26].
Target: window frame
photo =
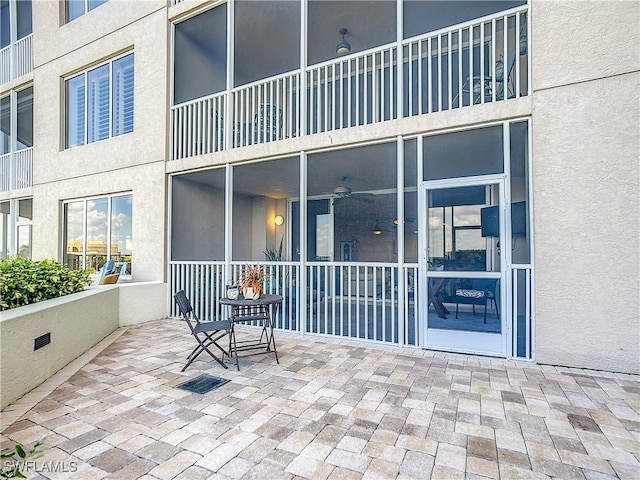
[84, 74]
[109, 216]
[87, 7]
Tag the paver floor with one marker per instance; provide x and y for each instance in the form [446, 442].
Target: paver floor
[331, 409]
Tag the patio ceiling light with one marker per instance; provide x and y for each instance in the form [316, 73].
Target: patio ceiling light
[343, 46]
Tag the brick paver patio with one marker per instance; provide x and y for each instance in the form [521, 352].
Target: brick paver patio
[331, 409]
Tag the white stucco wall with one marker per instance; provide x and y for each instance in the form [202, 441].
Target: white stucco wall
[133, 162]
[76, 322]
[586, 148]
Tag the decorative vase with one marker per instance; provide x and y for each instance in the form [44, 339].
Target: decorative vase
[248, 293]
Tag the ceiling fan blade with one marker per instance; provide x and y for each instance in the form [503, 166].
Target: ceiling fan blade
[362, 197]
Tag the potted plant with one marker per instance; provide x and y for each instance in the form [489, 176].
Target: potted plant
[251, 282]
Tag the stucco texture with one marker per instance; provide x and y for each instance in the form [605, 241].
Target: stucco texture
[586, 170]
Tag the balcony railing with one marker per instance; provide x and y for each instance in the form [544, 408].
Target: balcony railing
[16, 60]
[344, 299]
[266, 111]
[16, 170]
[477, 62]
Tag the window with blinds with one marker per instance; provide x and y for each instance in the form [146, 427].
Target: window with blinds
[99, 102]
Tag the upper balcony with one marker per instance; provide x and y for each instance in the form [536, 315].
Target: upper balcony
[16, 51]
[477, 61]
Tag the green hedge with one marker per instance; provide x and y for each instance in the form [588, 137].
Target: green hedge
[23, 282]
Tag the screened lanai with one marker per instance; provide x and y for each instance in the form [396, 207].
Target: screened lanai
[379, 241]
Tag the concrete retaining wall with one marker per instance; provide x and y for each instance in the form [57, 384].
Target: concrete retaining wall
[75, 323]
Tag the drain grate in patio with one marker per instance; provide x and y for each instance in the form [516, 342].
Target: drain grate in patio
[202, 384]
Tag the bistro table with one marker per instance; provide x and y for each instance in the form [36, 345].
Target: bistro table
[259, 311]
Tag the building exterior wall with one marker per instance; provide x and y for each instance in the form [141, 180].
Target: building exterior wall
[133, 162]
[586, 168]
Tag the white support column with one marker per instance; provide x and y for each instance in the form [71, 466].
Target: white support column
[302, 284]
[400, 239]
[228, 107]
[13, 36]
[507, 276]
[228, 222]
[399, 61]
[13, 139]
[304, 15]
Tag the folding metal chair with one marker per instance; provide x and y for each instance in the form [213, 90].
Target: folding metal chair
[205, 333]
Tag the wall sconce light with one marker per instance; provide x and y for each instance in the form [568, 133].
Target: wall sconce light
[278, 220]
[377, 230]
[343, 46]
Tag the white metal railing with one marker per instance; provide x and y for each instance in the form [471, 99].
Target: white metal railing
[24, 55]
[522, 315]
[474, 62]
[16, 59]
[357, 300]
[203, 283]
[5, 172]
[282, 278]
[352, 91]
[5, 64]
[24, 168]
[411, 304]
[198, 126]
[266, 111]
[353, 300]
[16, 170]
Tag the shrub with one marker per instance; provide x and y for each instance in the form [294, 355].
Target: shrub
[23, 282]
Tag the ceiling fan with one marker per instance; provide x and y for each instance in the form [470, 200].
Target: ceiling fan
[342, 191]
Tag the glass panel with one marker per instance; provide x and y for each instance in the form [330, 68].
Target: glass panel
[75, 111]
[75, 8]
[368, 25]
[360, 185]
[520, 225]
[25, 210]
[323, 237]
[462, 154]
[25, 24]
[260, 192]
[73, 234]
[473, 302]
[123, 95]
[95, 3]
[97, 220]
[200, 55]
[5, 24]
[410, 202]
[198, 195]
[423, 17]
[121, 232]
[98, 104]
[316, 210]
[4, 229]
[267, 39]
[5, 125]
[458, 229]
[24, 241]
[25, 118]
